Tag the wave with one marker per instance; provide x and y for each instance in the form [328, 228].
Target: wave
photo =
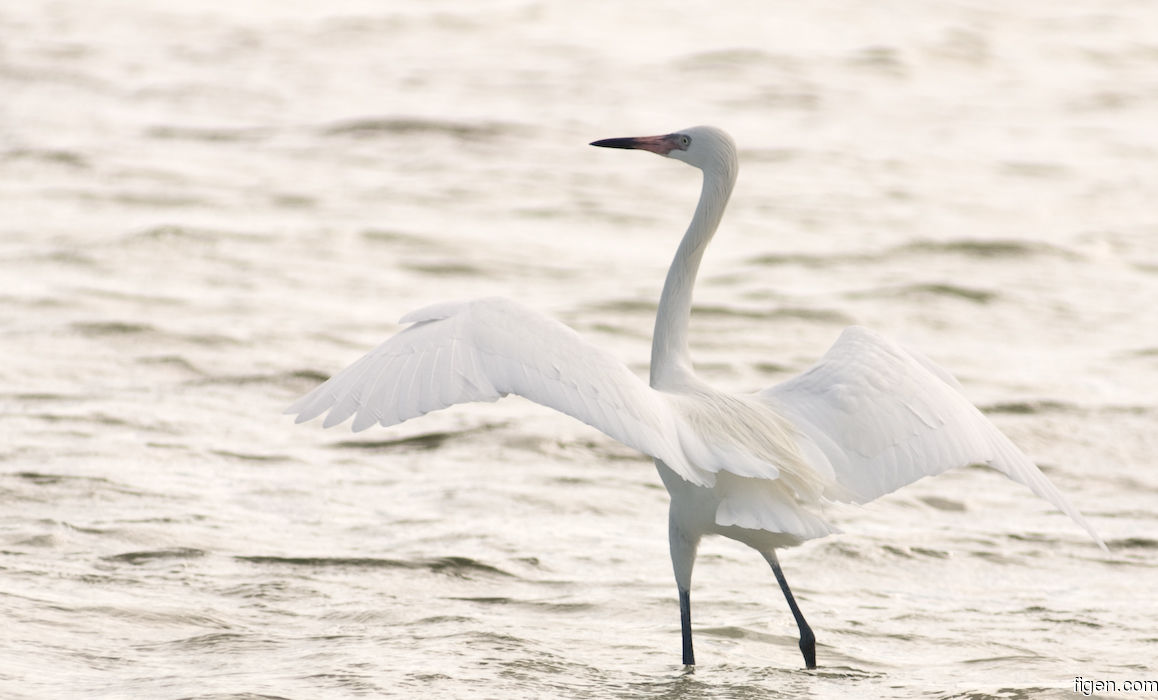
[53, 156]
[447, 268]
[1116, 545]
[121, 328]
[90, 484]
[774, 312]
[1032, 407]
[146, 556]
[992, 248]
[104, 328]
[1000, 248]
[926, 289]
[179, 233]
[648, 308]
[423, 441]
[460, 567]
[1054, 406]
[369, 127]
[304, 377]
[211, 134]
[537, 605]
[251, 457]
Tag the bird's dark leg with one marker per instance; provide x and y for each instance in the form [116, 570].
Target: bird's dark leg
[807, 638]
[686, 627]
[683, 558]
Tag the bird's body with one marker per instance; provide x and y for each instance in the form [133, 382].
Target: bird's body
[868, 418]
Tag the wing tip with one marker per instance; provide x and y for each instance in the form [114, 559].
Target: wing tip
[304, 412]
[1094, 535]
[363, 421]
[333, 419]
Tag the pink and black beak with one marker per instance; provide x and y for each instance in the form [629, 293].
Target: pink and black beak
[662, 145]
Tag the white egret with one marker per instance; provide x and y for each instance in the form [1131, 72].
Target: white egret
[868, 418]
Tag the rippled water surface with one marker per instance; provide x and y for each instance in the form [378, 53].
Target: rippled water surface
[208, 207]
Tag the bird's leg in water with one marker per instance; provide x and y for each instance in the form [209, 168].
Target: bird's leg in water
[686, 627]
[807, 638]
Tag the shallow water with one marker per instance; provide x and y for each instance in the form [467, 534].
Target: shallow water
[206, 208]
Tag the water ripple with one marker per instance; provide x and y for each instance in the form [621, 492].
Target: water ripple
[461, 567]
[403, 126]
[148, 556]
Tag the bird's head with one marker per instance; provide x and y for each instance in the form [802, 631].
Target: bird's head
[705, 147]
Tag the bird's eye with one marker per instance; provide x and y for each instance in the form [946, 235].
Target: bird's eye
[685, 141]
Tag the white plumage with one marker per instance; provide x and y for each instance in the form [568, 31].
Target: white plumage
[482, 350]
[868, 418]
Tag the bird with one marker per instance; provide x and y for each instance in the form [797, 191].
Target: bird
[868, 418]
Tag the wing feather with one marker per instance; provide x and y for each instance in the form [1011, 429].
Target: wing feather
[885, 417]
[485, 349]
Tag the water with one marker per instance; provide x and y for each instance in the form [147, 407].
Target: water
[208, 207]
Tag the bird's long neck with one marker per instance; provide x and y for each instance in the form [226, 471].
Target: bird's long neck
[671, 364]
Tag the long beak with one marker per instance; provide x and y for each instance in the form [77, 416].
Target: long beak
[656, 144]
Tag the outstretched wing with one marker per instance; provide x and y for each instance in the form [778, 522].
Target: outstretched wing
[485, 349]
[885, 417]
